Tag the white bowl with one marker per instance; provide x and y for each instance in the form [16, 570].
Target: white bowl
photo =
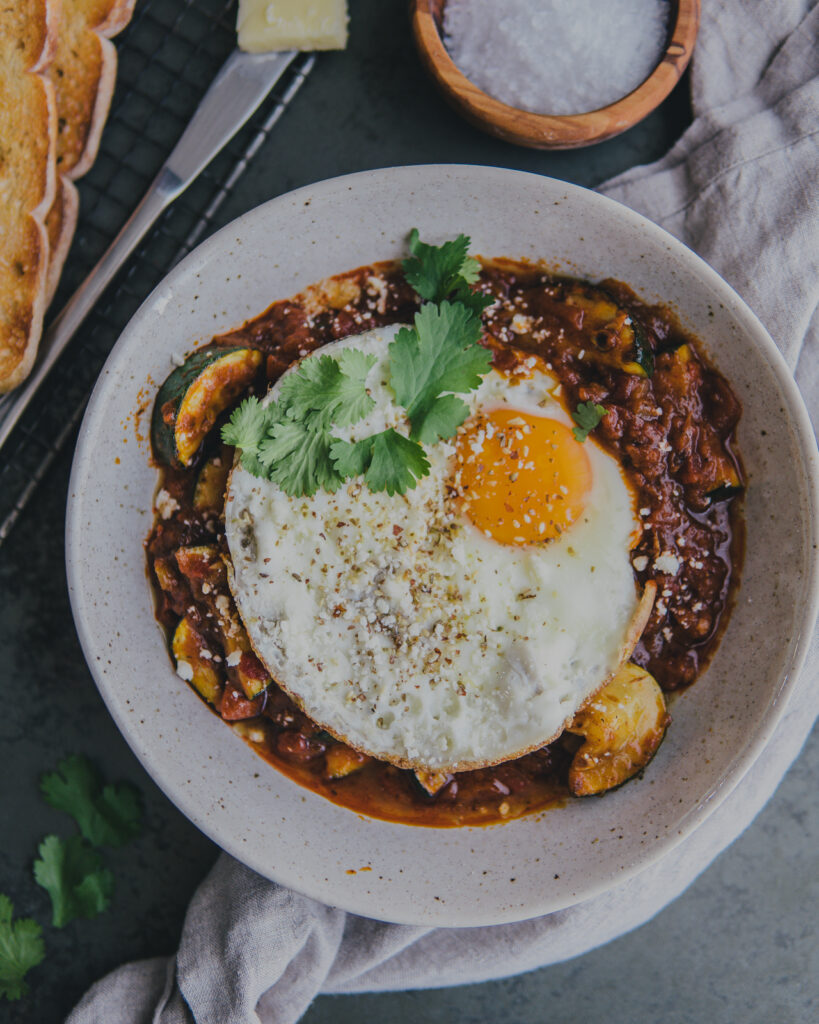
[466, 876]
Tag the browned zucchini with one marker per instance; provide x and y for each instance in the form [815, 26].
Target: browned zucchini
[619, 341]
[202, 564]
[193, 397]
[200, 672]
[432, 782]
[341, 761]
[718, 479]
[622, 726]
[211, 483]
[204, 569]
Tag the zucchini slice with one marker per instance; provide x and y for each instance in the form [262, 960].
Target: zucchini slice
[200, 672]
[618, 340]
[622, 727]
[193, 397]
[432, 782]
[341, 761]
[204, 569]
[211, 483]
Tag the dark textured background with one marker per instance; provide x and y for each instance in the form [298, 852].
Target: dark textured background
[740, 945]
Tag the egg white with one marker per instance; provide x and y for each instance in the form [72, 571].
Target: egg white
[401, 628]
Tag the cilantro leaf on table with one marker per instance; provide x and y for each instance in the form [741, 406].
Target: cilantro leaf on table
[389, 461]
[587, 416]
[440, 354]
[21, 948]
[71, 872]
[434, 271]
[106, 815]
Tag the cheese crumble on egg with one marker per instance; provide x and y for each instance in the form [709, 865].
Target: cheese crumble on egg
[466, 621]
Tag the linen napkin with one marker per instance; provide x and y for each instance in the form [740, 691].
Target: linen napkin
[741, 188]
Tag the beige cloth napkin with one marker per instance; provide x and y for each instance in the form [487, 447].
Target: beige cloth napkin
[741, 188]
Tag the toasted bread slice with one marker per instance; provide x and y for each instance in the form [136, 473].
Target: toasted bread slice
[28, 132]
[84, 74]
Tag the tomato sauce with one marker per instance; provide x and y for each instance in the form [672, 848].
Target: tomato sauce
[670, 422]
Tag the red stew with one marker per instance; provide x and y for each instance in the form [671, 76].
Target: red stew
[670, 422]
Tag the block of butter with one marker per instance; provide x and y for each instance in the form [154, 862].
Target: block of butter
[265, 25]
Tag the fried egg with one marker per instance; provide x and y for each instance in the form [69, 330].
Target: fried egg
[465, 622]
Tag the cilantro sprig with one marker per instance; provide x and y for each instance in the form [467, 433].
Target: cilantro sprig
[72, 874]
[587, 416]
[106, 815]
[291, 441]
[439, 356]
[21, 948]
[438, 272]
[70, 870]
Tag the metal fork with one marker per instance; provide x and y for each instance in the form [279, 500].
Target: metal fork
[241, 85]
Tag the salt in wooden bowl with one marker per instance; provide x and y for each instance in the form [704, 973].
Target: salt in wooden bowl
[553, 131]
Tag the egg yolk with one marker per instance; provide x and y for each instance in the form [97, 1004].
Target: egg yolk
[521, 479]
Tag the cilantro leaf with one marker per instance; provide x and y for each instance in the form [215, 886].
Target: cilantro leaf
[72, 874]
[247, 426]
[476, 302]
[297, 458]
[587, 416]
[397, 463]
[107, 816]
[288, 441]
[389, 461]
[440, 354]
[327, 390]
[21, 948]
[351, 458]
[434, 271]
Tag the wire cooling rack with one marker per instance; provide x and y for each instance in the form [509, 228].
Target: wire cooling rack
[168, 56]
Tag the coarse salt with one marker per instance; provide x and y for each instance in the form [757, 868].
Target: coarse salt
[556, 56]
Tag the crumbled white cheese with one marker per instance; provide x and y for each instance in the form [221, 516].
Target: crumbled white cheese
[640, 562]
[667, 563]
[184, 671]
[165, 504]
[521, 324]
[233, 659]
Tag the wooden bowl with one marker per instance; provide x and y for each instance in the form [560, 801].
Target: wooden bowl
[548, 131]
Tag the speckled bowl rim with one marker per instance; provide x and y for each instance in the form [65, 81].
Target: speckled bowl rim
[407, 900]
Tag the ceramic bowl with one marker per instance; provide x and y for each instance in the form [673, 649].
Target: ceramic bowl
[553, 131]
[466, 876]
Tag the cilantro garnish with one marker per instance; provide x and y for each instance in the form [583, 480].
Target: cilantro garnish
[288, 441]
[389, 461]
[434, 271]
[72, 874]
[440, 354]
[21, 948]
[438, 272]
[291, 441]
[587, 416]
[106, 815]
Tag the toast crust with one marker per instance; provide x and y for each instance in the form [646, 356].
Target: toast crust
[28, 133]
[84, 75]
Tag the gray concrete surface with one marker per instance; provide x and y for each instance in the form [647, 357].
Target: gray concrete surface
[740, 946]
